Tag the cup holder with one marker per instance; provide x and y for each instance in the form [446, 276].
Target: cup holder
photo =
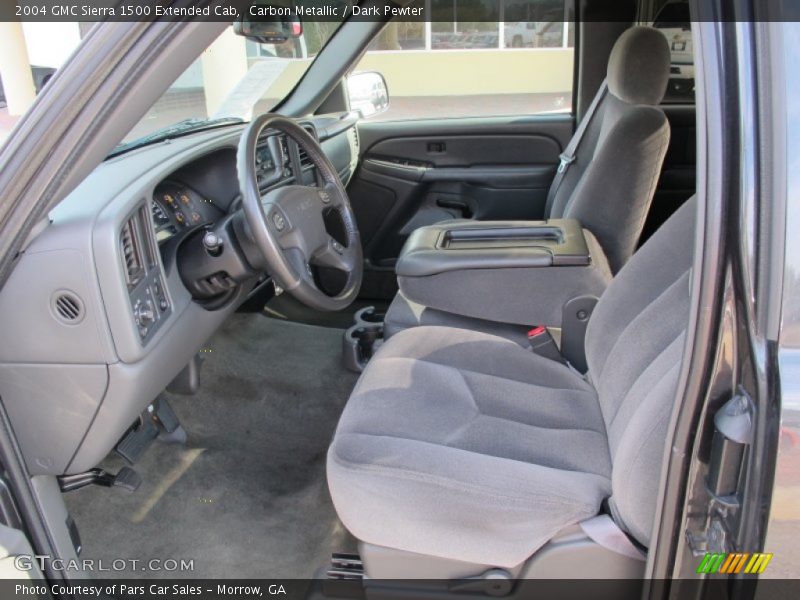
[368, 316]
[363, 339]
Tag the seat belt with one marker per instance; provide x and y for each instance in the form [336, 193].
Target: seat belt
[568, 156]
[605, 532]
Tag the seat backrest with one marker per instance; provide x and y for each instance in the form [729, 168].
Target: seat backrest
[634, 348]
[611, 184]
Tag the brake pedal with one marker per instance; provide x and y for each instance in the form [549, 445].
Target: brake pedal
[157, 422]
[126, 479]
[138, 439]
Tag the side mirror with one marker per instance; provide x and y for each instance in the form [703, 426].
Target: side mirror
[368, 93]
[269, 22]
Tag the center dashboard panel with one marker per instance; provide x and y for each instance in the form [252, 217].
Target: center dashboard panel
[111, 248]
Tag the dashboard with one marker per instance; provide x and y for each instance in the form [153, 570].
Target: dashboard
[101, 318]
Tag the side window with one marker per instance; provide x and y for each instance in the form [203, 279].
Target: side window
[675, 23]
[784, 516]
[477, 58]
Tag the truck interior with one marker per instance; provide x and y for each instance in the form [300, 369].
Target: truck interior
[346, 347]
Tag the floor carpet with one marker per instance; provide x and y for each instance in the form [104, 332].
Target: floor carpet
[246, 497]
[286, 308]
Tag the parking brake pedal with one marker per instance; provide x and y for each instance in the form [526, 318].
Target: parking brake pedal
[126, 479]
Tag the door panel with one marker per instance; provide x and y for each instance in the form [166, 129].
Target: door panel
[415, 173]
[466, 150]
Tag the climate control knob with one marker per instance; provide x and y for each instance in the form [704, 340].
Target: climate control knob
[143, 313]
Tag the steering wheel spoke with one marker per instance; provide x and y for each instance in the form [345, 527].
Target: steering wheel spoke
[288, 224]
[329, 196]
[334, 255]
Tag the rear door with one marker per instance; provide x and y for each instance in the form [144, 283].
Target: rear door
[477, 117]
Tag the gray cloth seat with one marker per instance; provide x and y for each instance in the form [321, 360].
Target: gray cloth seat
[462, 445]
[610, 186]
[405, 314]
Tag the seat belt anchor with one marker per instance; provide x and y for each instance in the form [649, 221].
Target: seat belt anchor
[566, 160]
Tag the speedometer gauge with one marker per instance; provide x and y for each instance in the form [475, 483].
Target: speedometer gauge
[163, 224]
[160, 217]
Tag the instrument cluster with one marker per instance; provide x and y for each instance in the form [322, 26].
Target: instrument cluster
[176, 207]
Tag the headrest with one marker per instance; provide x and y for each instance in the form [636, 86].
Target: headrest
[638, 68]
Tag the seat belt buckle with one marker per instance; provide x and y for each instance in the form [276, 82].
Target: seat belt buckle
[566, 160]
[536, 331]
[543, 344]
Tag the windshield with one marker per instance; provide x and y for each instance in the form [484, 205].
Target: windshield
[232, 80]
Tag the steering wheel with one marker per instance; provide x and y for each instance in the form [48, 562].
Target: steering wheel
[288, 225]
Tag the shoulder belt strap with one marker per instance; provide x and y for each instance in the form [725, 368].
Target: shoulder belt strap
[568, 156]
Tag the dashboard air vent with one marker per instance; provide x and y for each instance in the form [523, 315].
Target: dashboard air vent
[131, 254]
[68, 307]
[305, 161]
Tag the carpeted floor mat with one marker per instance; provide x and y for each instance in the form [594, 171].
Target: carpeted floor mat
[247, 495]
[286, 308]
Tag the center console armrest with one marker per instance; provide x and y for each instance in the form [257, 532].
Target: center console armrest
[520, 272]
[455, 245]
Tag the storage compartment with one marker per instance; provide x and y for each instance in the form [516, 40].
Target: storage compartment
[520, 272]
[497, 237]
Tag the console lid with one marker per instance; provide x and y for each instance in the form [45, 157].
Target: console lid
[519, 272]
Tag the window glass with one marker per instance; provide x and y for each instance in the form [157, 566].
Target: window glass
[784, 525]
[235, 78]
[673, 20]
[477, 58]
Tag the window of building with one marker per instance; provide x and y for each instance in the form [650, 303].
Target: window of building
[477, 58]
